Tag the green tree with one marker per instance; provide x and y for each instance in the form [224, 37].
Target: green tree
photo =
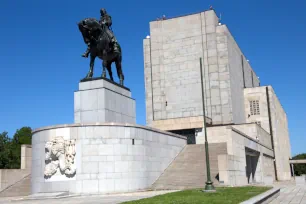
[299, 169]
[23, 136]
[5, 146]
[10, 149]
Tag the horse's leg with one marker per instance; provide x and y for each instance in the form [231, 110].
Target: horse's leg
[104, 68]
[109, 68]
[108, 65]
[91, 66]
[119, 69]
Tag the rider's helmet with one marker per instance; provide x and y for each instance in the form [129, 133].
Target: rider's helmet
[102, 11]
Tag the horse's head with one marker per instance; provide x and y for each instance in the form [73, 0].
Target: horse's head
[89, 27]
[88, 23]
[84, 25]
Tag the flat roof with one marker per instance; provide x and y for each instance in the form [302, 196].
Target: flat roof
[297, 161]
[189, 14]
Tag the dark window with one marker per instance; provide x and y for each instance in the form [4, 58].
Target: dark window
[189, 133]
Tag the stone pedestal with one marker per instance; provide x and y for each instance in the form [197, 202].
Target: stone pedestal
[101, 100]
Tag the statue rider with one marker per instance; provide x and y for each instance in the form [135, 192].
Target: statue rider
[105, 20]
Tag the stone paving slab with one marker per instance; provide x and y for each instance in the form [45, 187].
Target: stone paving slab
[88, 199]
[291, 194]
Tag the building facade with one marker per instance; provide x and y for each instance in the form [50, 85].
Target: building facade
[172, 70]
[246, 116]
[270, 115]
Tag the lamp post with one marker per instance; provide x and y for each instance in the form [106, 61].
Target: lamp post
[209, 187]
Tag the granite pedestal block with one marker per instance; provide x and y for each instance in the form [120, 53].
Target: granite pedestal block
[100, 100]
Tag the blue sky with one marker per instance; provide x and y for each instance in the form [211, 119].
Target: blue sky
[41, 46]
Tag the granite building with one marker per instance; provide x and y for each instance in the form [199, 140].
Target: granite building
[240, 113]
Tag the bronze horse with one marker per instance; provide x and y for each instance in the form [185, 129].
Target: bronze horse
[100, 46]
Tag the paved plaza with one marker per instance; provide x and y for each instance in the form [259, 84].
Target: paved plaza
[89, 199]
[291, 194]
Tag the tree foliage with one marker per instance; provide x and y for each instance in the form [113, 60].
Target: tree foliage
[4, 150]
[23, 136]
[10, 148]
[299, 169]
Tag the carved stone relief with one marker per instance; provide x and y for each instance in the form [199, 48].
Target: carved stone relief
[60, 157]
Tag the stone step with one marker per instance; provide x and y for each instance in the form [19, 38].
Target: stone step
[188, 170]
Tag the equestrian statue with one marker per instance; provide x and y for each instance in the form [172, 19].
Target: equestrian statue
[101, 43]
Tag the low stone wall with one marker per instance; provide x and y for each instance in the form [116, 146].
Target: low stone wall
[9, 177]
[264, 198]
[108, 157]
[256, 132]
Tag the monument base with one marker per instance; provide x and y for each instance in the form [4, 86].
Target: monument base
[104, 78]
[105, 158]
[102, 100]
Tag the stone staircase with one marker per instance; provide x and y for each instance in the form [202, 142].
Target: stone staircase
[188, 170]
[21, 188]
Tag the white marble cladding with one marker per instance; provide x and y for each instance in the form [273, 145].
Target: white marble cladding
[111, 157]
[102, 101]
